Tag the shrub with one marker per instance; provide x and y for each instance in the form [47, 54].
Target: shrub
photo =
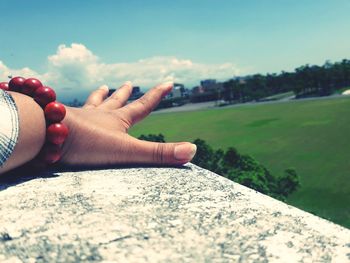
[242, 169]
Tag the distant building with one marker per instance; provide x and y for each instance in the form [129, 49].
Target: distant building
[208, 82]
[135, 94]
[178, 91]
[211, 85]
[197, 90]
[208, 86]
[110, 92]
[209, 90]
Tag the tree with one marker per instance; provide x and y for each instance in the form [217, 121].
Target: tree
[153, 137]
[289, 183]
[304, 81]
[242, 169]
[206, 157]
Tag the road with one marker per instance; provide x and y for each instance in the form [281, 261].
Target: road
[212, 104]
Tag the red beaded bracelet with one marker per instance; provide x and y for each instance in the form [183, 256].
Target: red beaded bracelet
[56, 132]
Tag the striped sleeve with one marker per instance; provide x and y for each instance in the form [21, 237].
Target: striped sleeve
[9, 126]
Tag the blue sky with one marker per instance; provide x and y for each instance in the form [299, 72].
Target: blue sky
[252, 36]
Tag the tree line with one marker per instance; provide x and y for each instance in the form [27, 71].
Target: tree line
[305, 81]
[240, 168]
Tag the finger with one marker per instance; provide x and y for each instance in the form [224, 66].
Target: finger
[141, 107]
[119, 98]
[161, 153]
[96, 97]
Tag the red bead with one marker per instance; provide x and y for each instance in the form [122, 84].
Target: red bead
[44, 95]
[56, 133]
[4, 86]
[16, 84]
[55, 111]
[30, 86]
[50, 153]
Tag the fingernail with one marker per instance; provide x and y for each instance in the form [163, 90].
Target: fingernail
[185, 151]
[128, 83]
[167, 85]
[104, 87]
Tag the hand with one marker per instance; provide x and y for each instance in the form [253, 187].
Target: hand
[98, 131]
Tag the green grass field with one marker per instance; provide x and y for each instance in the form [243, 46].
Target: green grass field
[311, 136]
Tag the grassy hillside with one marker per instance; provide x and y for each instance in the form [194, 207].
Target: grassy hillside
[311, 136]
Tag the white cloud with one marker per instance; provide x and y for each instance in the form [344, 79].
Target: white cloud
[76, 67]
[5, 72]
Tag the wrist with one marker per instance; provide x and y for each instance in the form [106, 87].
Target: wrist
[54, 113]
[69, 122]
[32, 130]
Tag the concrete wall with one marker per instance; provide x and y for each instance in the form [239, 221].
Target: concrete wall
[156, 215]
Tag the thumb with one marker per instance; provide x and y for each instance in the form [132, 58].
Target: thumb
[161, 153]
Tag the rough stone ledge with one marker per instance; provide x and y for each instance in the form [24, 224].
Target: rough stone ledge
[157, 215]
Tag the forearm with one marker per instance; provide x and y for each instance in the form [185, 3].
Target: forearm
[31, 132]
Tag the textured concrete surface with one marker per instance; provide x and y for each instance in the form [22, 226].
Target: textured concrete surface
[157, 215]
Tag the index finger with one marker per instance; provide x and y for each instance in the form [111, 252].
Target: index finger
[140, 108]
